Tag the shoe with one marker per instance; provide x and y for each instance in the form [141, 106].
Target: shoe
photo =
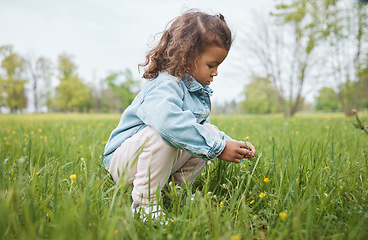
[154, 211]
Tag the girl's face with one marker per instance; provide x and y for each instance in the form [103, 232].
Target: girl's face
[207, 63]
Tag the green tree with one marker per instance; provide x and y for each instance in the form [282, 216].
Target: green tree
[260, 97]
[346, 33]
[327, 100]
[120, 92]
[71, 93]
[12, 80]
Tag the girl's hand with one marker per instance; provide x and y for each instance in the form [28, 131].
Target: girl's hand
[235, 151]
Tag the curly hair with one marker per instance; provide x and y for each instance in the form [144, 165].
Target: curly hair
[184, 41]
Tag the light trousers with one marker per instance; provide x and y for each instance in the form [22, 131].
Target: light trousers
[148, 162]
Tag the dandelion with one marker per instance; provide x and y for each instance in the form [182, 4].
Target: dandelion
[173, 220]
[266, 180]
[251, 202]
[73, 177]
[5, 138]
[340, 186]
[235, 237]
[116, 232]
[39, 130]
[244, 165]
[283, 215]
[221, 204]
[327, 127]
[296, 132]
[250, 215]
[247, 138]
[73, 138]
[163, 195]
[325, 194]
[104, 142]
[262, 195]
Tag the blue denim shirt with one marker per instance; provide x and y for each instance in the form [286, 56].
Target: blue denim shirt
[177, 109]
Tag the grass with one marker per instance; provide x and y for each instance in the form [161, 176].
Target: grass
[308, 181]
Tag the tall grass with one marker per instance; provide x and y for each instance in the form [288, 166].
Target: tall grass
[308, 180]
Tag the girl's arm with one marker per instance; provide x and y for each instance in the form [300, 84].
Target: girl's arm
[161, 109]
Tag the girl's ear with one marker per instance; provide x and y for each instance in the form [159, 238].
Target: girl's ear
[194, 65]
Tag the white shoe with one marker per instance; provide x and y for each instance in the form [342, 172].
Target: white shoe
[154, 211]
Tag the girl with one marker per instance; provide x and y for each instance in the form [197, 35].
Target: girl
[165, 134]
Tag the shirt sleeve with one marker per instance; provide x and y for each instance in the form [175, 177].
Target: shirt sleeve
[221, 133]
[162, 109]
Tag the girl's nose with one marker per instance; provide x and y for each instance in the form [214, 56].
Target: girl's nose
[214, 73]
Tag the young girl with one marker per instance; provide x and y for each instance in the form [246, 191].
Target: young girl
[165, 134]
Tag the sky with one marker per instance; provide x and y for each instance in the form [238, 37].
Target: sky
[114, 35]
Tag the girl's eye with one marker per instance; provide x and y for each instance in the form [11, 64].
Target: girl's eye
[210, 66]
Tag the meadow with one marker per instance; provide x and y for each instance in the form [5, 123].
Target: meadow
[308, 181]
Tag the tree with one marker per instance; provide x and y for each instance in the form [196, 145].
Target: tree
[12, 81]
[71, 93]
[260, 97]
[327, 100]
[346, 32]
[283, 49]
[122, 88]
[40, 72]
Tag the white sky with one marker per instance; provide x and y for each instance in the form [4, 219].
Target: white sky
[112, 35]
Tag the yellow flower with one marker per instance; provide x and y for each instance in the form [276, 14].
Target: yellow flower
[235, 237]
[266, 180]
[5, 138]
[104, 142]
[251, 202]
[116, 232]
[327, 127]
[173, 220]
[73, 177]
[39, 130]
[250, 215]
[262, 195]
[283, 215]
[244, 165]
[340, 186]
[221, 204]
[325, 194]
[247, 138]
[73, 138]
[296, 132]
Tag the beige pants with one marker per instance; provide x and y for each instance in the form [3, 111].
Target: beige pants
[149, 163]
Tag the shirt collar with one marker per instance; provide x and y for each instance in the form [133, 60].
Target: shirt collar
[193, 86]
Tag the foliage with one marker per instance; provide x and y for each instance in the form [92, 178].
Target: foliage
[305, 183]
[12, 81]
[71, 94]
[260, 97]
[120, 92]
[327, 100]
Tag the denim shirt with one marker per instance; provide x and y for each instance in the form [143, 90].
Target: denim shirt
[177, 109]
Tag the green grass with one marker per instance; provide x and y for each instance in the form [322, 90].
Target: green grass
[316, 164]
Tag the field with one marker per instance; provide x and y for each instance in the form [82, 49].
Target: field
[308, 181]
